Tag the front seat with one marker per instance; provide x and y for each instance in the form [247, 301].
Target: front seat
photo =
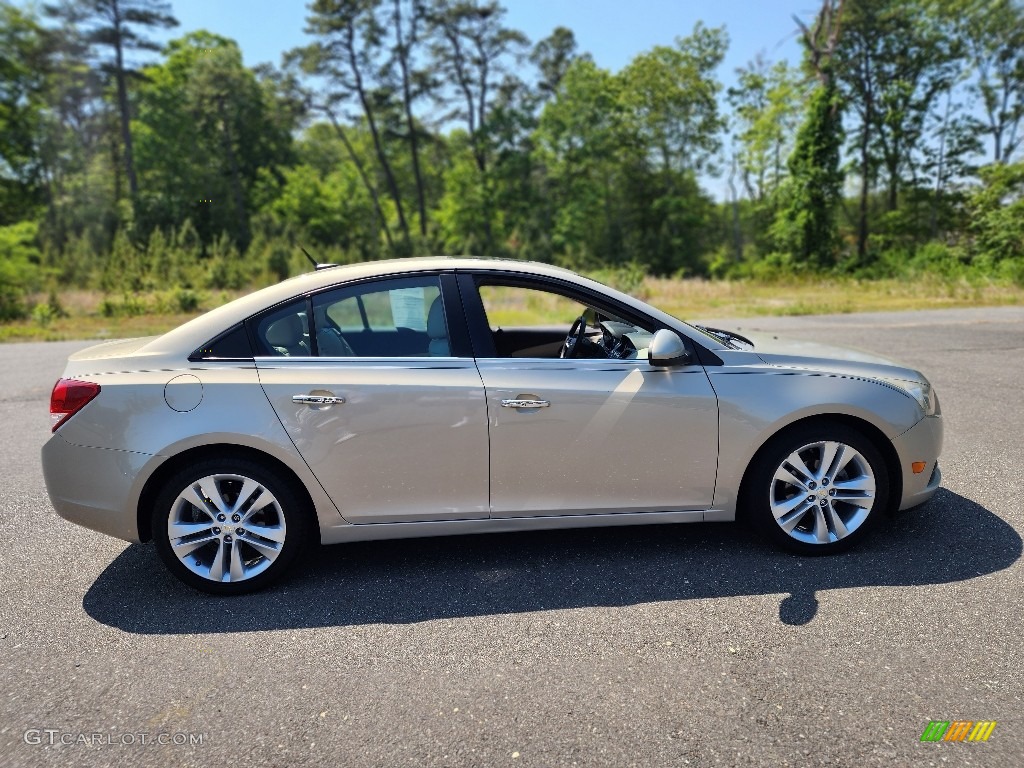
[329, 342]
[287, 336]
[437, 330]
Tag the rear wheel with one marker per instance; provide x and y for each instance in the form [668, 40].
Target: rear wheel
[228, 526]
[819, 488]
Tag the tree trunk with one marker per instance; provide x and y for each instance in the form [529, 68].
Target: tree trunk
[403, 60]
[361, 169]
[122, 104]
[382, 157]
[236, 177]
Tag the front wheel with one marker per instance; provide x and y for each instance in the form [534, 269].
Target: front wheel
[818, 489]
[228, 526]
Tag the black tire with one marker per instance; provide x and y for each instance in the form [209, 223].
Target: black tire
[762, 489]
[286, 517]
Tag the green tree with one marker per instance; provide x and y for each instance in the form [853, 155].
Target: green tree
[552, 56]
[207, 131]
[894, 60]
[24, 67]
[806, 226]
[993, 32]
[580, 142]
[118, 26]
[672, 94]
[349, 53]
[996, 216]
[767, 102]
[471, 51]
[19, 271]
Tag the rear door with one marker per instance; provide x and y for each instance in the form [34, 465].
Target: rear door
[382, 398]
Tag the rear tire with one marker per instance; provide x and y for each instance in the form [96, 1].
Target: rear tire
[818, 488]
[229, 526]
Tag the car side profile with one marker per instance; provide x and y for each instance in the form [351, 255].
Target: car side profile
[442, 396]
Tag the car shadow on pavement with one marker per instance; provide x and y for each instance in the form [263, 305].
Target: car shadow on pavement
[396, 582]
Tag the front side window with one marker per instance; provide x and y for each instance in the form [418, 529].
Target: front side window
[397, 317]
[536, 321]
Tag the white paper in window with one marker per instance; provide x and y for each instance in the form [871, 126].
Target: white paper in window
[407, 308]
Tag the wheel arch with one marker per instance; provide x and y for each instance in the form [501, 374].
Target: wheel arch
[163, 473]
[866, 428]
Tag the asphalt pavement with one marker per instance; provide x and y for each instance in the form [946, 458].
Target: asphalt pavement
[689, 645]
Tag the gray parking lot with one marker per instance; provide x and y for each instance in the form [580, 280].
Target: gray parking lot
[650, 646]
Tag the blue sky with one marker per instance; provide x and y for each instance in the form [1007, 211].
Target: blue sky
[613, 31]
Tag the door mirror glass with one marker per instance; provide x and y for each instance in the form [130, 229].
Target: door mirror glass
[667, 349]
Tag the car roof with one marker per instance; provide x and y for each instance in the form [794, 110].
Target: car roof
[199, 331]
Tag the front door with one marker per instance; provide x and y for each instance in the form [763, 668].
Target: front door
[602, 432]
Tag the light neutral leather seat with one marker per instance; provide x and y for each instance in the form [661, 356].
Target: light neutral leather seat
[329, 343]
[287, 336]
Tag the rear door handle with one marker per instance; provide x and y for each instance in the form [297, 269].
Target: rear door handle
[318, 399]
[525, 403]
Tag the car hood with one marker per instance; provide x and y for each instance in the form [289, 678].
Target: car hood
[811, 356]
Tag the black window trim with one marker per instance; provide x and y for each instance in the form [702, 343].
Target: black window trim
[199, 356]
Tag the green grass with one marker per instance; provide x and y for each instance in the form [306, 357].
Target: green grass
[85, 317]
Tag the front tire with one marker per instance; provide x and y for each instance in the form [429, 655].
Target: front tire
[818, 488]
[229, 526]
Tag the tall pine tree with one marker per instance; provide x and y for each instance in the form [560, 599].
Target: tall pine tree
[112, 29]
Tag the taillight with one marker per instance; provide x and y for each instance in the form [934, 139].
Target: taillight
[69, 396]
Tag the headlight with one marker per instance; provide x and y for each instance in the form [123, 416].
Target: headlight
[919, 390]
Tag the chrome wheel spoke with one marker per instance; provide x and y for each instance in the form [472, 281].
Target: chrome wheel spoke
[833, 458]
[786, 476]
[208, 485]
[862, 484]
[184, 548]
[864, 502]
[268, 549]
[243, 495]
[275, 533]
[180, 530]
[792, 520]
[820, 526]
[782, 508]
[193, 497]
[217, 566]
[237, 567]
[798, 464]
[835, 522]
[262, 499]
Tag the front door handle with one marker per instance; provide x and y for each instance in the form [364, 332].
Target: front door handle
[318, 399]
[525, 403]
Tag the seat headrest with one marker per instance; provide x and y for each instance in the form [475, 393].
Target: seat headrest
[286, 332]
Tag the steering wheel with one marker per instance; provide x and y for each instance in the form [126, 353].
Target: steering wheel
[572, 341]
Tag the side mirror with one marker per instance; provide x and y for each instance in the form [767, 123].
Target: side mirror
[667, 349]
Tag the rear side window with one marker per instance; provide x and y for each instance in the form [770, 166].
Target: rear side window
[233, 344]
[397, 317]
[284, 332]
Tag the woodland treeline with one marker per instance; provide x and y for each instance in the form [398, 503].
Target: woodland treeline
[409, 127]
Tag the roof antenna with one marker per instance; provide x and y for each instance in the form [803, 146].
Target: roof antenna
[311, 259]
[316, 265]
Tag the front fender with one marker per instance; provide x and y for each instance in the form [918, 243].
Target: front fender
[756, 404]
